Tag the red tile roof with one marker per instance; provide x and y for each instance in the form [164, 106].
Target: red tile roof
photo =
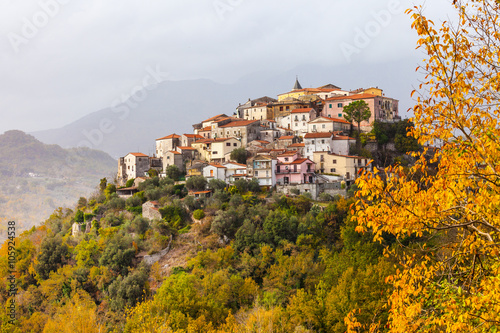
[203, 141]
[239, 123]
[353, 97]
[217, 165]
[318, 135]
[138, 154]
[307, 110]
[300, 161]
[171, 136]
[174, 152]
[205, 129]
[222, 115]
[342, 137]
[239, 175]
[186, 148]
[202, 192]
[297, 145]
[223, 139]
[288, 137]
[195, 136]
[288, 153]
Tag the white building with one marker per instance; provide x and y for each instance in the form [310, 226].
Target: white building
[318, 141]
[300, 119]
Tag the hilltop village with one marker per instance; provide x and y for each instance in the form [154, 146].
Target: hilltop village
[297, 143]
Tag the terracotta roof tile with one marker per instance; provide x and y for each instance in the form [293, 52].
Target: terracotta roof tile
[318, 135]
[342, 137]
[138, 154]
[195, 136]
[171, 136]
[305, 110]
[239, 123]
[222, 115]
[352, 97]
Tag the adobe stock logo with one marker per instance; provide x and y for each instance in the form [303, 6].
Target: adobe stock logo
[39, 20]
[363, 37]
[224, 6]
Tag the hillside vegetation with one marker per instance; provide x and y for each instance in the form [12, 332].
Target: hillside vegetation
[253, 259]
[36, 178]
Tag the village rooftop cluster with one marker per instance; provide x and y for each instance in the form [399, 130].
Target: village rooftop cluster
[299, 140]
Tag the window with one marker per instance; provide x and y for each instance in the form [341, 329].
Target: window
[278, 169]
[281, 108]
[286, 159]
[340, 115]
[323, 126]
[211, 173]
[214, 152]
[312, 141]
[296, 118]
[303, 117]
[330, 106]
[234, 144]
[314, 127]
[256, 173]
[287, 108]
[228, 144]
[339, 105]
[322, 141]
[295, 168]
[168, 157]
[334, 161]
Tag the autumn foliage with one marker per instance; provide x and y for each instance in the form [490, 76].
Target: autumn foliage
[444, 210]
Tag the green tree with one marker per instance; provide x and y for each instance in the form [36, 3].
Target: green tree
[152, 173]
[239, 155]
[173, 172]
[53, 254]
[216, 184]
[130, 182]
[82, 202]
[357, 111]
[196, 183]
[103, 183]
[79, 216]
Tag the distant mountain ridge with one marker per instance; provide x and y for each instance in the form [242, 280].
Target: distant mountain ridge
[173, 106]
[36, 178]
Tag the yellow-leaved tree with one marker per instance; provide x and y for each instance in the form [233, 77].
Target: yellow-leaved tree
[444, 211]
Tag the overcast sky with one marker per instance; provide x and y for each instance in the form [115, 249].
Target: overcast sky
[63, 59]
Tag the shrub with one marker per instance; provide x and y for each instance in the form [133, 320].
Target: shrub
[325, 197]
[130, 182]
[198, 214]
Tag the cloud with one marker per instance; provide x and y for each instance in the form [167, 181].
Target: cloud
[90, 52]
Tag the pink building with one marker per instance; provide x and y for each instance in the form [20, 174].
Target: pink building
[291, 169]
[382, 108]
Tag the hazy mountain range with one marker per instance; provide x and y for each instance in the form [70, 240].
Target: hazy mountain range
[36, 178]
[173, 106]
